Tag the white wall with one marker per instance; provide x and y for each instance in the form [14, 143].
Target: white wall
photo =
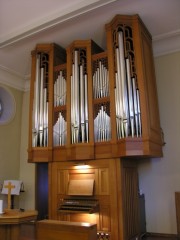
[27, 170]
[13, 151]
[10, 135]
[160, 178]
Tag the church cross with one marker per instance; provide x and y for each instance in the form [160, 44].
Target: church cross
[9, 186]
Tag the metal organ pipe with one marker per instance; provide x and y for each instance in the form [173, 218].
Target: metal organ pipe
[79, 102]
[128, 114]
[86, 107]
[82, 103]
[36, 103]
[130, 97]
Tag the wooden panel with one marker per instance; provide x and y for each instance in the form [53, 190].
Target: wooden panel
[83, 217]
[177, 202]
[152, 116]
[81, 174]
[80, 151]
[81, 187]
[105, 218]
[59, 153]
[40, 154]
[3, 231]
[151, 131]
[130, 200]
[103, 150]
[62, 180]
[103, 181]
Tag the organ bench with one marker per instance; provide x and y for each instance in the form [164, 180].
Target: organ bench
[56, 230]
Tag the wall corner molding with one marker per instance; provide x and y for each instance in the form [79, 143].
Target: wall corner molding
[13, 79]
[51, 21]
[166, 43]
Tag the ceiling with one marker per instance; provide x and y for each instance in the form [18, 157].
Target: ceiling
[23, 24]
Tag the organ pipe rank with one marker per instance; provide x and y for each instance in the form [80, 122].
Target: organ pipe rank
[102, 123]
[128, 119]
[60, 127]
[79, 100]
[40, 104]
[127, 107]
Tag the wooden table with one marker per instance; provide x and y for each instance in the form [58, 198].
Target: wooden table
[10, 223]
[64, 230]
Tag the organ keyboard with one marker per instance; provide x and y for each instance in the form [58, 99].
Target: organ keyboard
[79, 205]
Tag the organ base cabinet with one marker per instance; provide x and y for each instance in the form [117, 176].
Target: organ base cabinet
[115, 191]
[99, 108]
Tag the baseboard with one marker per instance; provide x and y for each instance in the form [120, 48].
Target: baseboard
[163, 235]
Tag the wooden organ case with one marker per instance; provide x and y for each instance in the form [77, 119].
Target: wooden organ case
[93, 114]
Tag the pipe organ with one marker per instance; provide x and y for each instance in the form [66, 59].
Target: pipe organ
[96, 107]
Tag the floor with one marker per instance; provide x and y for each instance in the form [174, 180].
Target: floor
[159, 238]
[27, 231]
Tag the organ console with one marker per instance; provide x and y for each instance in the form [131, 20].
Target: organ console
[99, 107]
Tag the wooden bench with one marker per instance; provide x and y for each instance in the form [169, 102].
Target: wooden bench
[64, 230]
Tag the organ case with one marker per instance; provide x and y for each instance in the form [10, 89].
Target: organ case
[129, 46]
[98, 103]
[102, 109]
[44, 58]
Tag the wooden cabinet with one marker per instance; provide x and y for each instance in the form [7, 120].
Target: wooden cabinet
[116, 189]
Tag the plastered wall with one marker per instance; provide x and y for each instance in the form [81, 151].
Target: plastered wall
[160, 178]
